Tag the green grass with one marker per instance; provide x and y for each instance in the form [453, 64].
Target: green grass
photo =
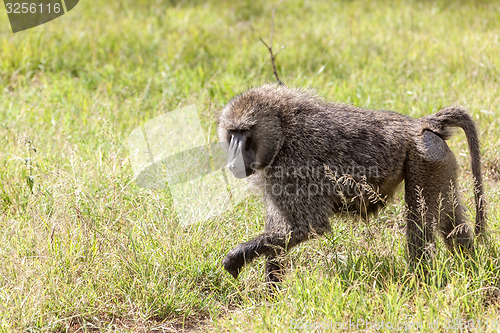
[83, 247]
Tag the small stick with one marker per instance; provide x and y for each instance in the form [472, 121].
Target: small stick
[270, 46]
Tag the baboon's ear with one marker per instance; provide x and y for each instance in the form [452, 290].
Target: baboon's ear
[432, 147]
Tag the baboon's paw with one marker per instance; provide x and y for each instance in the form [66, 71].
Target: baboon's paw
[234, 261]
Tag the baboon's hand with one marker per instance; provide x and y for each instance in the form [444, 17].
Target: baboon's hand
[234, 261]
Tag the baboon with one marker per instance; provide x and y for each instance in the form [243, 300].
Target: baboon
[312, 159]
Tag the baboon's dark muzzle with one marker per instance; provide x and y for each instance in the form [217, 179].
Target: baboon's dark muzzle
[239, 159]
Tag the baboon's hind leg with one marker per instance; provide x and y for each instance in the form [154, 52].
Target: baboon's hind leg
[419, 228]
[456, 232]
[431, 198]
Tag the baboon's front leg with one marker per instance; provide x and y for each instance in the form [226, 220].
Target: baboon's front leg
[273, 270]
[268, 244]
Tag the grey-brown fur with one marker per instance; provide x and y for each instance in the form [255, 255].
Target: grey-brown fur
[297, 141]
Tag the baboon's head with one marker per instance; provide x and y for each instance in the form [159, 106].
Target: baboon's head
[250, 125]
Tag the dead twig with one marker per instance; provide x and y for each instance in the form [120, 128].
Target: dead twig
[270, 46]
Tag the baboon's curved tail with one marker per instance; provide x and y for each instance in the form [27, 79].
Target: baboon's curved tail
[454, 116]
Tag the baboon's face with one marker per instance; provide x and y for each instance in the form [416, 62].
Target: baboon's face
[241, 159]
[253, 138]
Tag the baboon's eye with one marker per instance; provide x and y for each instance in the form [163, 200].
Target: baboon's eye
[248, 142]
[245, 134]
